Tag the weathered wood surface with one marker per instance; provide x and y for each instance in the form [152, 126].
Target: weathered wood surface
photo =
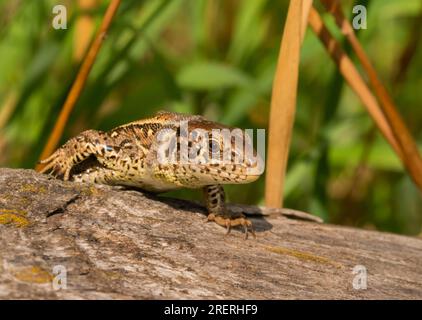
[126, 244]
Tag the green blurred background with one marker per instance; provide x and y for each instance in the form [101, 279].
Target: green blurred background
[217, 58]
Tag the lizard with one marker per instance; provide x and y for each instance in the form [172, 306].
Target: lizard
[129, 155]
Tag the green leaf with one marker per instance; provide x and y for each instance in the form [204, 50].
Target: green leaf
[381, 156]
[250, 24]
[242, 100]
[295, 177]
[211, 76]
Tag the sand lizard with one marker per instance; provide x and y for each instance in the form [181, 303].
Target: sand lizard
[127, 155]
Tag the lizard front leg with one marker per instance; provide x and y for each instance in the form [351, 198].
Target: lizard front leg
[77, 149]
[217, 212]
[98, 175]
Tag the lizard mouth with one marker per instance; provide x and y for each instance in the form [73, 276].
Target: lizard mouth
[256, 170]
[252, 177]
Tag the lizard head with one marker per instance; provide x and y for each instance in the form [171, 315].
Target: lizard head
[206, 152]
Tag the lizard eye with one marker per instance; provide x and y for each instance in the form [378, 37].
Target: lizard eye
[214, 149]
[214, 146]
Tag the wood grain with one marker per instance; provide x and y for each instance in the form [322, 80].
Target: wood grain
[124, 244]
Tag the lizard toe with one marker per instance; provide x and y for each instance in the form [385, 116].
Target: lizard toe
[228, 221]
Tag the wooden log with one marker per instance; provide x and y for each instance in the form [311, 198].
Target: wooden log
[107, 242]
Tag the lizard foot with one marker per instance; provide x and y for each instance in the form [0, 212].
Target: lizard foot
[58, 164]
[233, 221]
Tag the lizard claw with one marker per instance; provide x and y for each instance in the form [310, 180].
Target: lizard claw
[57, 165]
[229, 222]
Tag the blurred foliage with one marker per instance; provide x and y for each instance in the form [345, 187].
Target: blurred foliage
[217, 58]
